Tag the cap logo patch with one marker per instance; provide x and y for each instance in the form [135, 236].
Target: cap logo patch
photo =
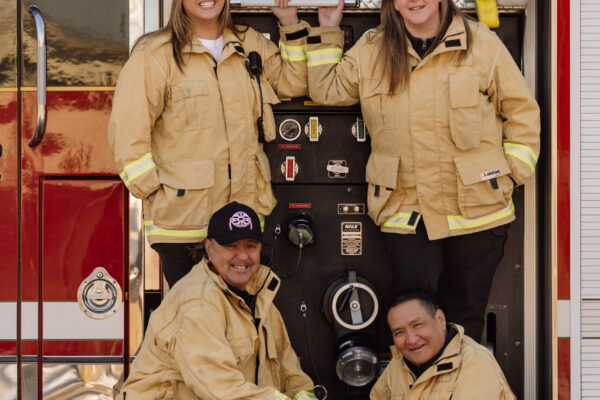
[240, 220]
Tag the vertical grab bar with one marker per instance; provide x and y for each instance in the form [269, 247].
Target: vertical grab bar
[41, 76]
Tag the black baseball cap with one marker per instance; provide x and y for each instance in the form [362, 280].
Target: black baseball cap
[233, 222]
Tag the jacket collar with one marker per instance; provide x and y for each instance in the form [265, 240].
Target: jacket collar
[447, 362]
[454, 39]
[264, 284]
[232, 44]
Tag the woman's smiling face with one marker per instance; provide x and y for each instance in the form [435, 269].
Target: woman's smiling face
[421, 17]
[203, 11]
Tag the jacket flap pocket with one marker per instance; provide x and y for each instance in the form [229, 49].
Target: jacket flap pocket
[464, 90]
[269, 95]
[376, 87]
[242, 348]
[272, 352]
[382, 170]
[188, 89]
[481, 166]
[195, 174]
[263, 165]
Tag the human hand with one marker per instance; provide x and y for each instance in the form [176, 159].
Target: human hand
[331, 16]
[285, 14]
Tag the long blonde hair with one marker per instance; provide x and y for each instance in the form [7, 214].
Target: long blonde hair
[393, 51]
[181, 28]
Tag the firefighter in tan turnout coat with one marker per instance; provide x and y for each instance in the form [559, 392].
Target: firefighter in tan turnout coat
[217, 334]
[433, 360]
[454, 129]
[184, 132]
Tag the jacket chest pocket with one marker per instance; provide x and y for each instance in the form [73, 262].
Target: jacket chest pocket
[377, 106]
[188, 107]
[242, 349]
[264, 199]
[464, 112]
[269, 98]
[272, 358]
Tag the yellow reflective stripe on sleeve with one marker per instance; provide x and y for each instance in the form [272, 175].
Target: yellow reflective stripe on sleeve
[521, 152]
[456, 222]
[293, 53]
[324, 56]
[400, 220]
[261, 218]
[137, 168]
[280, 396]
[304, 395]
[153, 230]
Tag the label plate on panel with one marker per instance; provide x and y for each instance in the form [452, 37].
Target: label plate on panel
[351, 239]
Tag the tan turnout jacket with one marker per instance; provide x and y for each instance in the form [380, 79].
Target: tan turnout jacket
[465, 371]
[202, 343]
[192, 136]
[446, 148]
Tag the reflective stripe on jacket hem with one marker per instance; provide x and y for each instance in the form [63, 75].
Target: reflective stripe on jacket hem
[324, 56]
[521, 152]
[304, 395]
[153, 230]
[402, 220]
[137, 168]
[292, 53]
[456, 222]
[280, 396]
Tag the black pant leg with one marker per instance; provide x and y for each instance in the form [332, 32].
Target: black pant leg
[470, 262]
[177, 259]
[416, 261]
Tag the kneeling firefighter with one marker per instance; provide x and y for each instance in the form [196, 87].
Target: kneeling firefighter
[217, 333]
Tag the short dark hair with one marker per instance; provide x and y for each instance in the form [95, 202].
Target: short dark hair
[424, 296]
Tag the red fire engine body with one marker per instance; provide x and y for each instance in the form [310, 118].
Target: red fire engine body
[78, 280]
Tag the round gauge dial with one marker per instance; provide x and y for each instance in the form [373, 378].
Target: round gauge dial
[289, 130]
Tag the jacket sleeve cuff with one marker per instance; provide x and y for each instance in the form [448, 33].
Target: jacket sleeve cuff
[331, 35]
[145, 185]
[297, 32]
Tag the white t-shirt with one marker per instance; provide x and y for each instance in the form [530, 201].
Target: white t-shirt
[214, 46]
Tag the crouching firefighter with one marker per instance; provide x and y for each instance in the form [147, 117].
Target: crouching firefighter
[217, 333]
[433, 359]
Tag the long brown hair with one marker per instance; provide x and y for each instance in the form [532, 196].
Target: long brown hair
[181, 28]
[393, 51]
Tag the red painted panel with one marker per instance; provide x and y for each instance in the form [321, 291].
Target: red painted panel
[83, 227]
[74, 144]
[564, 369]
[83, 220]
[564, 145]
[9, 347]
[83, 347]
[8, 196]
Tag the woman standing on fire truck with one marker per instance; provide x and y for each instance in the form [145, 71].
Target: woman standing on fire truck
[191, 108]
[454, 128]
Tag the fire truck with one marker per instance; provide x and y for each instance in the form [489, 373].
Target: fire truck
[78, 281]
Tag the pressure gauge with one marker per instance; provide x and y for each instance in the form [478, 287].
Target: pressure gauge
[289, 130]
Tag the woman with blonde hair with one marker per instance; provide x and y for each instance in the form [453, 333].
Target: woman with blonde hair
[191, 110]
[454, 129]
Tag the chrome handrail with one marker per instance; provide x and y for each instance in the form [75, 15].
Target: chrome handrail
[41, 75]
